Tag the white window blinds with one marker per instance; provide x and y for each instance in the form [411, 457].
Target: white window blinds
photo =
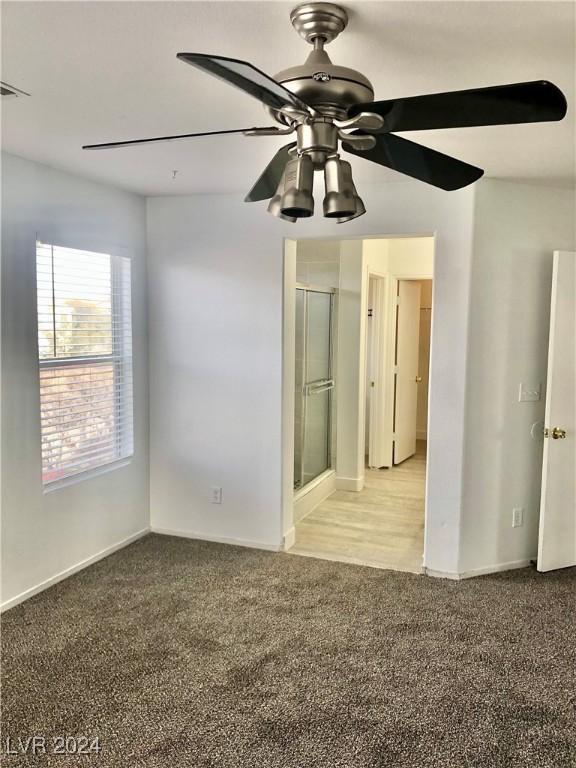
[85, 350]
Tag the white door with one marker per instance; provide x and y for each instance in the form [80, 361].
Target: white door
[406, 387]
[557, 538]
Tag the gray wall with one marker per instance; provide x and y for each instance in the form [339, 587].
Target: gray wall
[46, 534]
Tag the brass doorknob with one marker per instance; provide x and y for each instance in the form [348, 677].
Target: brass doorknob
[556, 433]
[418, 379]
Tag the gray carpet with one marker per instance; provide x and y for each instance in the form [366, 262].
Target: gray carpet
[179, 653]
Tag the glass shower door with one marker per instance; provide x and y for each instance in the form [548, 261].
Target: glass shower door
[314, 384]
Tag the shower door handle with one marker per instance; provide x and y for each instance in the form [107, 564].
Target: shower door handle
[316, 387]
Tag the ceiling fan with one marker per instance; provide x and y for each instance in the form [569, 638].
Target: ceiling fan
[326, 105]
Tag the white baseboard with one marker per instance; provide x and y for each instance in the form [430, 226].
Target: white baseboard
[349, 483]
[313, 494]
[72, 570]
[442, 574]
[511, 566]
[496, 568]
[289, 539]
[218, 539]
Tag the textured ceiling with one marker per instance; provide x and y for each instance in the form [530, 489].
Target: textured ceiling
[105, 71]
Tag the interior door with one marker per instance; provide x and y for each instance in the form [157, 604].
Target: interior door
[406, 378]
[557, 536]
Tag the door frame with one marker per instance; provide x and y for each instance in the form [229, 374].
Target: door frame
[377, 447]
[290, 245]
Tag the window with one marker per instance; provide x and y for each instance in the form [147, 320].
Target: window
[85, 351]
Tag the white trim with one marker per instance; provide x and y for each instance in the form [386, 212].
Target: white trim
[313, 494]
[86, 474]
[301, 492]
[289, 539]
[349, 483]
[288, 376]
[379, 450]
[484, 571]
[498, 568]
[314, 288]
[442, 574]
[219, 539]
[72, 570]
[382, 566]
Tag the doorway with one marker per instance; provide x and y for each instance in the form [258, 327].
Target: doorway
[366, 503]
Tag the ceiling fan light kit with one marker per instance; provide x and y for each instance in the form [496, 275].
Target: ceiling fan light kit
[340, 200]
[296, 199]
[326, 105]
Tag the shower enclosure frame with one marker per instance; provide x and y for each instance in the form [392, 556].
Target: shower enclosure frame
[323, 385]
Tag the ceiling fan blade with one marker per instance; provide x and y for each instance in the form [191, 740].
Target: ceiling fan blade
[267, 183]
[133, 142]
[538, 101]
[418, 162]
[246, 77]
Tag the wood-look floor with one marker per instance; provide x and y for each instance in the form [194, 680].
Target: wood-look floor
[381, 526]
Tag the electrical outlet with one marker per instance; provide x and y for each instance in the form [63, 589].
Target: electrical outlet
[215, 495]
[517, 517]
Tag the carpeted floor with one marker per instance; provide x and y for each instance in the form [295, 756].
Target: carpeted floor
[179, 653]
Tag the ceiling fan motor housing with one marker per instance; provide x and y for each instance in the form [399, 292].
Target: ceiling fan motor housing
[328, 87]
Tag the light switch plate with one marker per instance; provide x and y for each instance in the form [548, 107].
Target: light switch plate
[529, 393]
[216, 494]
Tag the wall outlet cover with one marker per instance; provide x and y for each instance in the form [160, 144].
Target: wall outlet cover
[529, 393]
[216, 494]
[517, 517]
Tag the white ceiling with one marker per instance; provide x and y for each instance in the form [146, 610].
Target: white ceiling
[107, 71]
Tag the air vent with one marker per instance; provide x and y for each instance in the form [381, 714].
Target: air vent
[10, 91]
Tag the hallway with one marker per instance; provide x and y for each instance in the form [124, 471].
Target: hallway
[382, 526]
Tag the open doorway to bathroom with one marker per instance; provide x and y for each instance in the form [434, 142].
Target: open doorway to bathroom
[361, 314]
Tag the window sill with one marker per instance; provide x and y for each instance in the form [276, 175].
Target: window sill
[64, 482]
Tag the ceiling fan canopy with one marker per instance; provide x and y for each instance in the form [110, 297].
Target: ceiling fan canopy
[327, 87]
[328, 106]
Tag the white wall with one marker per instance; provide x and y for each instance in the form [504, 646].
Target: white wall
[517, 227]
[44, 535]
[216, 292]
[351, 358]
[318, 263]
[402, 257]
[215, 270]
